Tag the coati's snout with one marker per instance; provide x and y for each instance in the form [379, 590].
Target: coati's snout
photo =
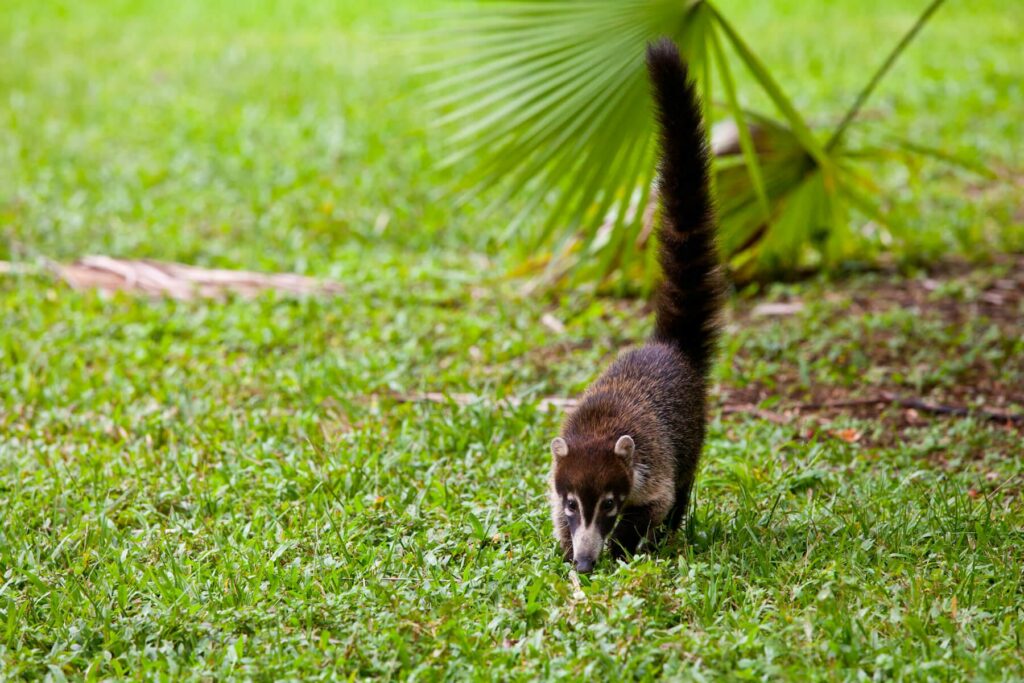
[592, 481]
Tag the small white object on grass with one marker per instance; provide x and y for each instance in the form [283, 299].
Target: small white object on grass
[577, 589]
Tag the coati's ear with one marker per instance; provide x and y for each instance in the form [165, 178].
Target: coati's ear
[559, 448]
[624, 448]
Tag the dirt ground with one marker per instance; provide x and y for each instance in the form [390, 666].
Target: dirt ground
[956, 296]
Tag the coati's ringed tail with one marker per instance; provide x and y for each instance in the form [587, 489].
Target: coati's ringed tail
[690, 295]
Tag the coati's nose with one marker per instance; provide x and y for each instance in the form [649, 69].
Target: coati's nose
[584, 565]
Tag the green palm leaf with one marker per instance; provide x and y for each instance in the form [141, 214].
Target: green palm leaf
[549, 102]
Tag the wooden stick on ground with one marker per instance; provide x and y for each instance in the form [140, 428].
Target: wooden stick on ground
[889, 398]
[778, 417]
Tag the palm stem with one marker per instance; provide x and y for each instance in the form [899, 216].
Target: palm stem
[863, 95]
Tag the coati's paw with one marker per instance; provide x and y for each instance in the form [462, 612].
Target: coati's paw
[618, 551]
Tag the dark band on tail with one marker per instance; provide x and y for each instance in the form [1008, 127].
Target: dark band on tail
[691, 292]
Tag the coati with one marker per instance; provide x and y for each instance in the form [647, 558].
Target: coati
[626, 458]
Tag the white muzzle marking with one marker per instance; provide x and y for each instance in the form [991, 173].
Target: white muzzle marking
[587, 541]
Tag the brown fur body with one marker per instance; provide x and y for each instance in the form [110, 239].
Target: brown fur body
[625, 462]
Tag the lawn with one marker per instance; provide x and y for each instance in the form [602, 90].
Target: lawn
[249, 488]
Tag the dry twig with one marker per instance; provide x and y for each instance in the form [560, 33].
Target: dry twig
[176, 280]
[782, 416]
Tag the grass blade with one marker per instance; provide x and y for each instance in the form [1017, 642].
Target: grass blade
[746, 141]
[772, 89]
[865, 92]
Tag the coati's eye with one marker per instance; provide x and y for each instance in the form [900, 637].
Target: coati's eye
[608, 504]
[570, 505]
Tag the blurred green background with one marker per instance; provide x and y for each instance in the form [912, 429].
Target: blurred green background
[285, 136]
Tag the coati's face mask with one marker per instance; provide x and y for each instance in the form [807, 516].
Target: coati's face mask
[593, 481]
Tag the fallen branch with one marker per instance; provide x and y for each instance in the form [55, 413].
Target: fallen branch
[545, 404]
[751, 409]
[888, 398]
[778, 417]
[176, 280]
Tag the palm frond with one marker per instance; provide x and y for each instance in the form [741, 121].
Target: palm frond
[549, 102]
[746, 141]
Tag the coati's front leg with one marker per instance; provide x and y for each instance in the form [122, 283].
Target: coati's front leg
[636, 524]
[679, 508]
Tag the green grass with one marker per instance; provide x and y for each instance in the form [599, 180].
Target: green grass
[228, 489]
